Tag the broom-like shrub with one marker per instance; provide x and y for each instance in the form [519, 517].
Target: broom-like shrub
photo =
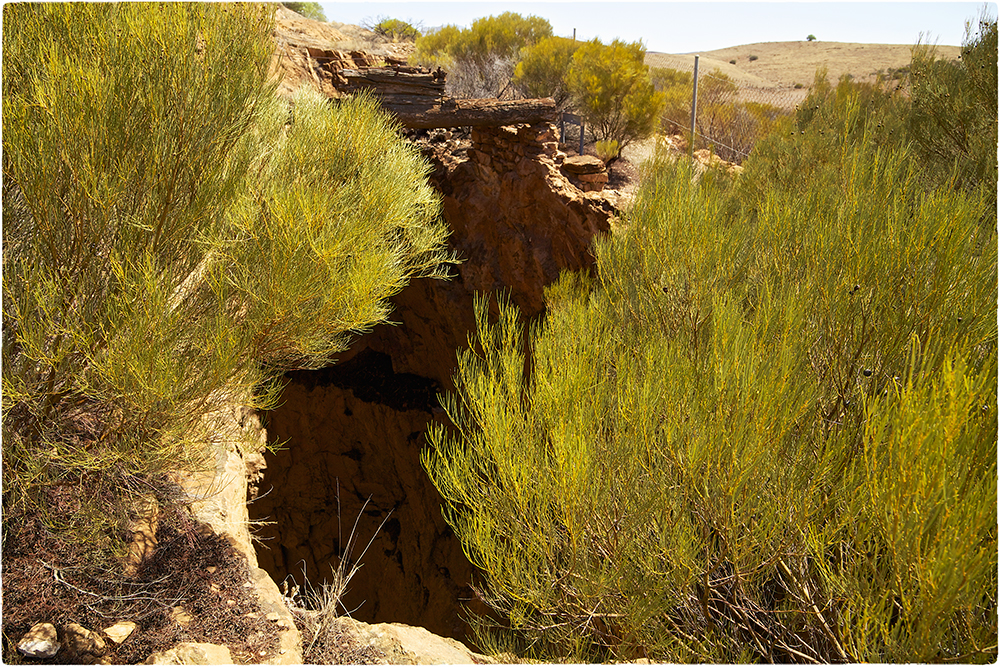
[765, 431]
[174, 236]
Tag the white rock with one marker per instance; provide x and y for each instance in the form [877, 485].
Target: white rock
[41, 641]
[181, 615]
[190, 653]
[120, 631]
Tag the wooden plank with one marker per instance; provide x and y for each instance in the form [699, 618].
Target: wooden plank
[473, 113]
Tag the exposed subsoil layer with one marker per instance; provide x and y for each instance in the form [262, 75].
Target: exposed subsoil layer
[351, 467]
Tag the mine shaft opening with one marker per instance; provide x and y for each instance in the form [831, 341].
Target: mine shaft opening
[351, 437]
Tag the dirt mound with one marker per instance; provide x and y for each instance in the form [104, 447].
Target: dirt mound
[295, 29]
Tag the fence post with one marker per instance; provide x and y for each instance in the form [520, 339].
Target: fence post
[694, 106]
[574, 34]
[562, 128]
[581, 136]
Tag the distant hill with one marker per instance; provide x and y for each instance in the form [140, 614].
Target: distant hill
[783, 64]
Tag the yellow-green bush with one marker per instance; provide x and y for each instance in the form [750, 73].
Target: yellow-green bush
[953, 113]
[174, 237]
[310, 10]
[480, 59]
[542, 70]
[766, 430]
[676, 87]
[394, 29]
[611, 89]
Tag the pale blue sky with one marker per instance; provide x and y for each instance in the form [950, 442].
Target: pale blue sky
[686, 27]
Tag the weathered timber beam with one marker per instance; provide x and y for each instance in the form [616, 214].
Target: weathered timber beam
[475, 113]
[387, 75]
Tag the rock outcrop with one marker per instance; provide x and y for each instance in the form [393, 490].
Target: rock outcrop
[407, 645]
[192, 653]
[586, 172]
[517, 221]
[219, 504]
[350, 478]
[313, 53]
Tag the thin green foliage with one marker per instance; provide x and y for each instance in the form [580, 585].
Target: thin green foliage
[953, 116]
[766, 430]
[397, 30]
[175, 236]
[480, 59]
[611, 89]
[310, 10]
[734, 125]
[542, 70]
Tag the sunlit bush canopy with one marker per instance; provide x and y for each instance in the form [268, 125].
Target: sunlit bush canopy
[766, 428]
[175, 236]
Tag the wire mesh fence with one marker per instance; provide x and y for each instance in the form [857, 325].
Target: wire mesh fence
[730, 116]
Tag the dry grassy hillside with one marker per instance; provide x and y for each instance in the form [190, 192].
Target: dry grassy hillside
[781, 64]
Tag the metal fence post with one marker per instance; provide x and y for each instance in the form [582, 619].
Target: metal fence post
[694, 105]
[581, 136]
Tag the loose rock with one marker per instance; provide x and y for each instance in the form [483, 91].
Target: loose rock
[181, 615]
[190, 653]
[83, 646]
[583, 164]
[120, 631]
[41, 641]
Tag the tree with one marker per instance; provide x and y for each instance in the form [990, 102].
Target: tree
[543, 68]
[953, 110]
[310, 10]
[434, 47]
[765, 429]
[393, 29]
[175, 236]
[611, 89]
[811, 38]
[482, 57]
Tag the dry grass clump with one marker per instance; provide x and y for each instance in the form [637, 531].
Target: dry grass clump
[326, 640]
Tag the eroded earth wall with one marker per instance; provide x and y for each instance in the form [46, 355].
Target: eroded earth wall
[353, 432]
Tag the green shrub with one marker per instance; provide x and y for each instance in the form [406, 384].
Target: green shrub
[798, 86]
[607, 150]
[736, 126]
[480, 59]
[174, 237]
[543, 68]
[394, 29]
[811, 38]
[732, 62]
[765, 430]
[612, 90]
[675, 86]
[753, 58]
[431, 48]
[310, 10]
[953, 110]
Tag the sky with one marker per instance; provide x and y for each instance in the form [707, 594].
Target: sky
[689, 27]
